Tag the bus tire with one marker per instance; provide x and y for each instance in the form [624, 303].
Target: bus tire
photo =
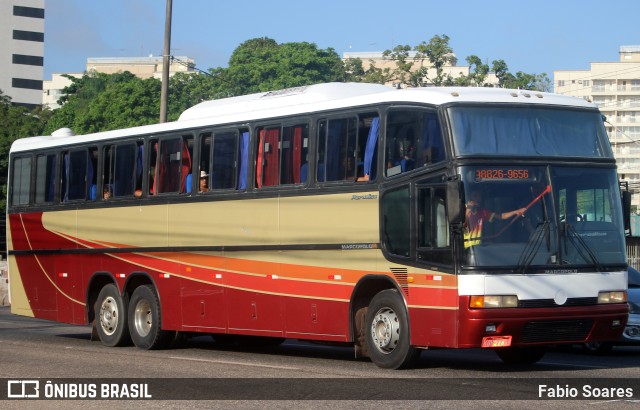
[111, 317]
[387, 332]
[520, 355]
[145, 320]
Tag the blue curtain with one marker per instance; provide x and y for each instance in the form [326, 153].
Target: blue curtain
[370, 149]
[532, 132]
[332, 159]
[244, 160]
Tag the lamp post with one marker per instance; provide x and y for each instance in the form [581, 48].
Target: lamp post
[166, 59]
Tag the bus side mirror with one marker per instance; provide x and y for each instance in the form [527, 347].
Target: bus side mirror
[626, 209]
[455, 204]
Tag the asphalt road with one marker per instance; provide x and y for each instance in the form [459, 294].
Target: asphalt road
[198, 372]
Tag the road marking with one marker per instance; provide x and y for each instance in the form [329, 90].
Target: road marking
[234, 363]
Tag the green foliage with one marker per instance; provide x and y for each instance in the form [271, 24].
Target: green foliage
[100, 102]
[261, 64]
[440, 54]
[354, 72]
[15, 122]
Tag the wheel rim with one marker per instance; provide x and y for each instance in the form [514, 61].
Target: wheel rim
[109, 316]
[385, 330]
[142, 318]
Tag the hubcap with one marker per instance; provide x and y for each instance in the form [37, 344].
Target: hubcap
[143, 319]
[109, 316]
[385, 330]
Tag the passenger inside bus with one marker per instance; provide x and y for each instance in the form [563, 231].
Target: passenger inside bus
[203, 184]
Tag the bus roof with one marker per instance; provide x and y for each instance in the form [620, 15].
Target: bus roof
[306, 99]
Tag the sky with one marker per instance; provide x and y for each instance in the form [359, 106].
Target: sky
[530, 36]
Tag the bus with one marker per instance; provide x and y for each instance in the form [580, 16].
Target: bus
[335, 213]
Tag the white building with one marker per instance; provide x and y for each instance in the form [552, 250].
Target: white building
[615, 88]
[22, 51]
[143, 67]
[377, 59]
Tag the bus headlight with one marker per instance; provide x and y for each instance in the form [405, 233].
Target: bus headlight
[612, 297]
[493, 301]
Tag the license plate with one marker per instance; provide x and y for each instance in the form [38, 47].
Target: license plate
[496, 341]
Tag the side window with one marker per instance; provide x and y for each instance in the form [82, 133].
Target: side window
[396, 226]
[293, 153]
[120, 175]
[347, 148]
[218, 161]
[45, 178]
[77, 172]
[267, 158]
[413, 140]
[21, 181]
[282, 152]
[337, 150]
[223, 165]
[173, 165]
[433, 226]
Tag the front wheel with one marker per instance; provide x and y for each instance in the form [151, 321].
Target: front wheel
[145, 320]
[387, 332]
[111, 317]
[520, 355]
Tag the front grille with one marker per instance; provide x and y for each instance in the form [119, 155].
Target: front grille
[557, 331]
[544, 303]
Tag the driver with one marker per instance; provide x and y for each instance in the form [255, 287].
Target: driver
[475, 216]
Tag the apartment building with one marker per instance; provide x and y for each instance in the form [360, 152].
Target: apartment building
[22, 51]
[615, 88]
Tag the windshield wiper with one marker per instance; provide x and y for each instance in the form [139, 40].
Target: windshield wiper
[533, 245]
[580, 245]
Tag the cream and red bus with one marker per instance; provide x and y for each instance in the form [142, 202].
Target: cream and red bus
[333, 213]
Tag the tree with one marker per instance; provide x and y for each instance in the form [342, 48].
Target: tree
[439, 54]
[261, 64]
[100, 102]
[354, 72]
[16, 122]
[401, 75]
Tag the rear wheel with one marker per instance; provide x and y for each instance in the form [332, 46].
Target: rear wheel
[111, 317]
[520, 355]
[387, 332]
[145, 320]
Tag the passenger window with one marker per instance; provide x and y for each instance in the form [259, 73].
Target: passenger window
[173, 165]
[77, 171]
[347, 149]
[223, 166]
[282, 152]
[218, 161]
[45, 178]
[294, 152]
[21, 181]
[413, 140]
[120, 174]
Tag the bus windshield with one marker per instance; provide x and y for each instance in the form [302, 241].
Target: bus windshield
[528, 131]
[542, 216]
